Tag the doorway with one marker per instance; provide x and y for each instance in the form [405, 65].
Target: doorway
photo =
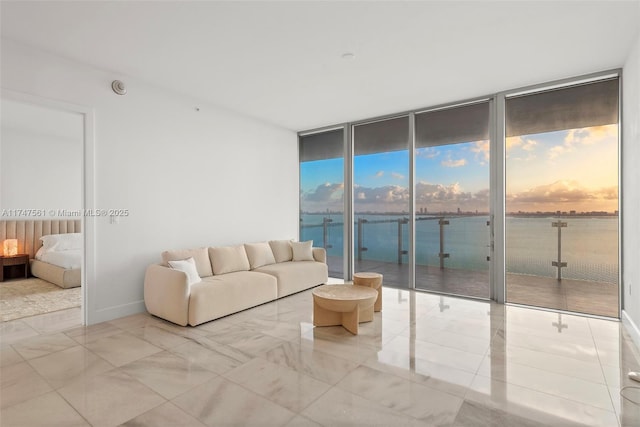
[452, 204]
[562, 198]
[44, 158]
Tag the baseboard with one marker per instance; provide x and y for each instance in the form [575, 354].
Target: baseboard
[110, 313]
[631, 328]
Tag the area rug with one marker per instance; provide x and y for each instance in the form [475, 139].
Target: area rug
[28, 297]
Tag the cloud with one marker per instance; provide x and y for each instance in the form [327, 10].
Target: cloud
[585, 136]
[557, 151]
[591, 135]
[388, 198]
[441, 198]
[514, 142]
[481, 149]
[427, 152]
[395, 198]
[324, 193]
[448, 198]
[394, 175]
[453, 163]
[564, 194]
[328, 196]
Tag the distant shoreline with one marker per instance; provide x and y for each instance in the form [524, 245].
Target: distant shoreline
[467, 214]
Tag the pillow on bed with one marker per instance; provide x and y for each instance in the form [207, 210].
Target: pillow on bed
[61, 242]
[188, 266]
[40, 252]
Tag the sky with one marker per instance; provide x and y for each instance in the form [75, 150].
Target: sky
[565, 170]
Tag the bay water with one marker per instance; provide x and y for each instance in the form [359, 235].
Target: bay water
[589, 245]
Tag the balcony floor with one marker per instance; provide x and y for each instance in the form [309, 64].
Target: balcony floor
[595, 298]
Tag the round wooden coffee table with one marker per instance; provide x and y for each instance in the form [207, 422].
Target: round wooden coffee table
[370, 280]
[345, 305]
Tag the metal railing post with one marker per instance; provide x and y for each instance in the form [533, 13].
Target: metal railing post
[490, 245]
[559, 264]
[401, 252]
[442, 222]
[325, 222]
[361, 248]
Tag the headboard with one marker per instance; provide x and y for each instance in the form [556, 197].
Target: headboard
[28, 232]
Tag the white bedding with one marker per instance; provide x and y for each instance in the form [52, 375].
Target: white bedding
[70, 259]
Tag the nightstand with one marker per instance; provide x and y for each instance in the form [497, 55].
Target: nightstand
[10, 262]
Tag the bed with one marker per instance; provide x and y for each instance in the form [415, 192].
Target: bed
[54, 248]
[59, 259]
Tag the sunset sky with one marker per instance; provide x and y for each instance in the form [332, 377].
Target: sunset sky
[564, 170]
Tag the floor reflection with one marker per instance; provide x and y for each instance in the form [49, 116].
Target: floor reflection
[426, 359]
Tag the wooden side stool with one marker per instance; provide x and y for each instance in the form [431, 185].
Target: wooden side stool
[344, 305]
[370, 280]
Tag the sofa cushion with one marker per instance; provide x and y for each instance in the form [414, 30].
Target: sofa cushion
[259, 254]
[219, 296]
[187, 266]
[296, 276]
[199, 255]
[281, 250]
[302, 251]
[227, 259]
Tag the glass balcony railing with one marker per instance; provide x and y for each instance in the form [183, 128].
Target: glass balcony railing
[544, 247]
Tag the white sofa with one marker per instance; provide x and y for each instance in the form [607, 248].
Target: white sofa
[231, 279]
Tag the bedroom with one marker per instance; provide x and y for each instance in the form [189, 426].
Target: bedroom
[41, 166]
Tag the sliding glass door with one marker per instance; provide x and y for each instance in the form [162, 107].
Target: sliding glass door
[381, 199]
[562, 198]
[452, 200]
[322, 195]
[513, 197]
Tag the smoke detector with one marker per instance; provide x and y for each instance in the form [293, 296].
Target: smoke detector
[118, 87]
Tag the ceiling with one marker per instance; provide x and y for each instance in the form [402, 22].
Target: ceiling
[282, 62]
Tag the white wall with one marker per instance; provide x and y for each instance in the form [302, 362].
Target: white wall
[40, 170]
[188, 178]
[631, 191]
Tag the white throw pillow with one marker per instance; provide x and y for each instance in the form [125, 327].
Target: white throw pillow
[281, 250]
[61, 242]
[302, 251]
[228, 259]
[188, 266]
[199, 255]
[259, 254]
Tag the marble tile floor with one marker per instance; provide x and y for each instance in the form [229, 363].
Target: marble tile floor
[421, 362]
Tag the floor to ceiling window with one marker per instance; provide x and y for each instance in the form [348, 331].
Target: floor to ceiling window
[322, 194]
[562, 198]
[381, 198]
[452, 200]
[424, 199]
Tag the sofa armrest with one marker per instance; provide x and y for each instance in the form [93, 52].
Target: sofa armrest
[166, 294]
[320, 255]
